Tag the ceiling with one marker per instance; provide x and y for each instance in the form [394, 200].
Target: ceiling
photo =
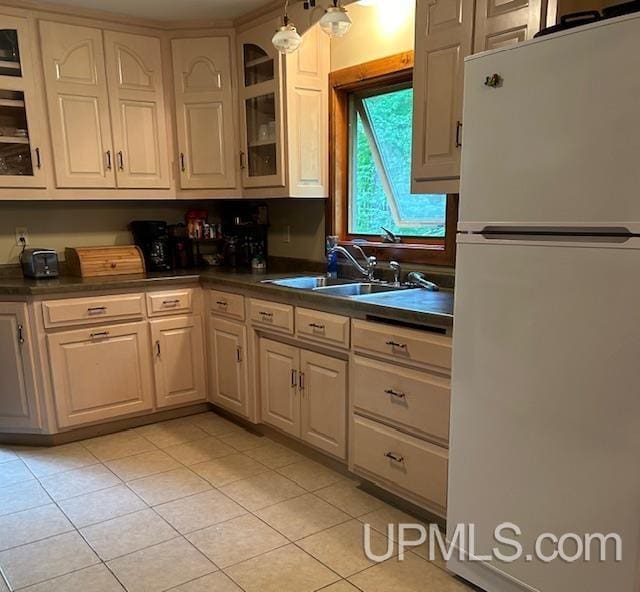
[172, 10]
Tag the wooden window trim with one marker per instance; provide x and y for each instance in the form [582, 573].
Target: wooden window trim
[396, 69]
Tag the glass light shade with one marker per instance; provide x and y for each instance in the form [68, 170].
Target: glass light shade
[335, 22]
[287, 39]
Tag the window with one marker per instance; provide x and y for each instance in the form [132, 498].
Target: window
[381, 125]
[371, 115]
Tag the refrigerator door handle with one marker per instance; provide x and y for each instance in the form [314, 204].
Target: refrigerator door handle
[556, 240]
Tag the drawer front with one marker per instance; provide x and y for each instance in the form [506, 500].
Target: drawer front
[407, 345]
[167, 303]
[271, 314]
[401, 460]
[226, 304]
[322, 327]
[97, 309]
[412, 399]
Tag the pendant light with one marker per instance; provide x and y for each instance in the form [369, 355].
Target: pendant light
[336, 21]
[287, 39]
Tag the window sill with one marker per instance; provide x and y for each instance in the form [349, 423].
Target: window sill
[427, 254]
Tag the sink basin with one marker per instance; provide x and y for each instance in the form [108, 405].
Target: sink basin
[307, 282]
[358, 289]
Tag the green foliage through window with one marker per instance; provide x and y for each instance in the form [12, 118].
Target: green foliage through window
[380, 193]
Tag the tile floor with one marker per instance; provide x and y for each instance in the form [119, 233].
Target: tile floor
[196, 504]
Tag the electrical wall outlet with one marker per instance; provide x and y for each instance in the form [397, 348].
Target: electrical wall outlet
[286, 234]
[22, 238]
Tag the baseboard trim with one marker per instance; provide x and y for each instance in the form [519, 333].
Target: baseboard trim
[101, 429]
[484, 575]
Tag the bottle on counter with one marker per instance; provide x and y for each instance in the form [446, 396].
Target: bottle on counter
[332, 257]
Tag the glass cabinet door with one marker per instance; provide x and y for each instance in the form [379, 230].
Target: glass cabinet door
[19, 160]
[261, 135]
[261, 115]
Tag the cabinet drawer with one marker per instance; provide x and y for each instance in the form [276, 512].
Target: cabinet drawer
[271, 314]
[408, 345]
[409, 398]
[226, 304]
[323, 327]
[97, 309]
[173, 302]
[400, 460]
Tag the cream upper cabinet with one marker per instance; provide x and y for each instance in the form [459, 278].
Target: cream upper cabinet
[499, 24]
[228, 365]
[323, 386]
[205, 98]
[138, 118]
[284, 113]
[178, 354]
[261, 109]
[307, 107]
[100, 373]
[19, 409]
[444, 37]
[21, 153]
[447, 31]
[279, 365]
[78, 102]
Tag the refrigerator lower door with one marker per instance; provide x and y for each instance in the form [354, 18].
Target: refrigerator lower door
[545, 417]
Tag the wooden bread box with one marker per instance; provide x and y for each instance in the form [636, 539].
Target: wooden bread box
[103, 261]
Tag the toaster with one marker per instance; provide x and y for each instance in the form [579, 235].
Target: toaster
[39, 263]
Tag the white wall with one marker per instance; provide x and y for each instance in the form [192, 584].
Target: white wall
[380, 30]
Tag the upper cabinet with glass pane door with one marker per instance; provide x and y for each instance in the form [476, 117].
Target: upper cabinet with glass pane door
[21, 133]
[284, 113]
[447, 31]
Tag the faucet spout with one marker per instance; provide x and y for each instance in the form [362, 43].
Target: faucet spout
[371, 261]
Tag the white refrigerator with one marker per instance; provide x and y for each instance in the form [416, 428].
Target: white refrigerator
[545, 417]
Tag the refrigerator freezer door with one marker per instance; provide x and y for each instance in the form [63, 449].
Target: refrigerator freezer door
[545, 417]
[557, 142]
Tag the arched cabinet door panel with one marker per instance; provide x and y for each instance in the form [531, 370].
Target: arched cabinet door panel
[205, 107]
[138, 117]
[78, 104]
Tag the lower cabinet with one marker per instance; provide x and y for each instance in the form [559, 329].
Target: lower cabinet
[323, 382]
[101, 372]
[178, 360]
[18, 396]
[228, 365]
[279, 394]
[304, 394]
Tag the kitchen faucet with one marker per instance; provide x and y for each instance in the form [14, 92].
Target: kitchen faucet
[370, 261]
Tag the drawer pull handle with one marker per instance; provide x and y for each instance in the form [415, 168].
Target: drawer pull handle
[394, 457]
[222, 303]
[174, 302]
[294, 378]
[99, 335]
[238, 354]
[316, 326]
[397, 394]
[395, 344]
[96, 310]
[266, 314]
[158, 349]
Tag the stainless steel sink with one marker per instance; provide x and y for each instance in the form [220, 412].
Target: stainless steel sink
[357, 289]
[307, 282]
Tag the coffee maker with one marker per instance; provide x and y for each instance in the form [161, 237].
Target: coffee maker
[152, 237]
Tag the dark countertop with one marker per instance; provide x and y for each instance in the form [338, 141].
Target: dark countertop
[415, 306]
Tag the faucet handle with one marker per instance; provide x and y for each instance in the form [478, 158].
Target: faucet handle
[397, 269]
[372, 263]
